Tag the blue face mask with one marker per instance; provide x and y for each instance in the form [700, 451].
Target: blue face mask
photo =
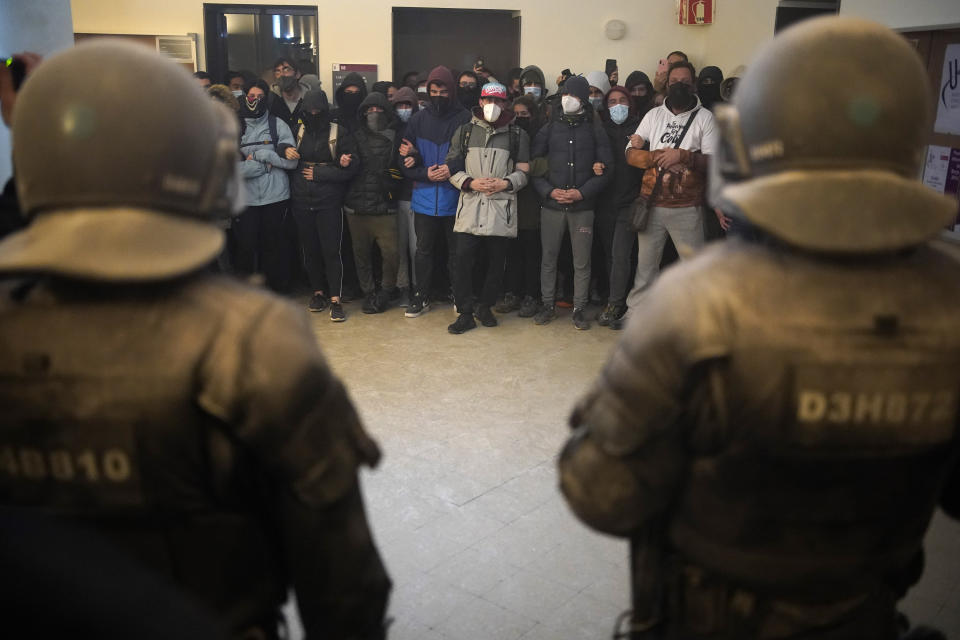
[533, 91]
[619, 113]
[596, 102]
[404, 114]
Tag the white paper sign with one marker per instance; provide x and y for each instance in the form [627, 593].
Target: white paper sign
[935, 170]
[948, 95]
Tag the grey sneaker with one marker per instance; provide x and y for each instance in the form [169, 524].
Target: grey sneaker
[528, 308]
[509, 304]
[545, 315]
[580, 320]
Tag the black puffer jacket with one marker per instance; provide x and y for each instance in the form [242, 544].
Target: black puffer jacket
[330, 180]
[625, 180]
[373, 191]
[571, 145]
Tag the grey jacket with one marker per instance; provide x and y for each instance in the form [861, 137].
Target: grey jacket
[264, 176]
[486, 149]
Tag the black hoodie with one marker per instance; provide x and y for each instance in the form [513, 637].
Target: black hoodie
[373, 191]
[330, 180]
[345, 114]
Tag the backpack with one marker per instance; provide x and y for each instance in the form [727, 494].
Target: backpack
[272, 130]
[512, 129]
[331, 138]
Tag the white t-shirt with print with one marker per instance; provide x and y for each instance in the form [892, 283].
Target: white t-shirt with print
[661, 128]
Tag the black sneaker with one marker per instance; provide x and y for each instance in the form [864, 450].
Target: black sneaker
[336, 312]
[318, 302]
[528, 308]
[385, 300]
[610, 313]
[370, 303]
[545, 315]
[580, 320]
[404, 299]
[418, 305]
[486, 317]
[509, 304]
[463, 324]
[618, 323]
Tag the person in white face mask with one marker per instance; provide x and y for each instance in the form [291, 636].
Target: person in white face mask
[489, 158]
[572, 143]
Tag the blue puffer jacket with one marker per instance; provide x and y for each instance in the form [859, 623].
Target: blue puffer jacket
[431, 132]
[264, 176]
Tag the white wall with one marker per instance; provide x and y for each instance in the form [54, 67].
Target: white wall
[906, 14]
[41, 26]
[555, 33]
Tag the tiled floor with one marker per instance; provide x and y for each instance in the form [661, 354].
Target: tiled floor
[465, 506]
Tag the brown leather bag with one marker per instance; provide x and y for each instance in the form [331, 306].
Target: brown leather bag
[641, 205]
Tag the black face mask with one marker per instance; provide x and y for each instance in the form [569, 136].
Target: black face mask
[288, 83]
[468, 96]
[680, 95]
[377, 121]
[641, 104]
[253, 109]
[350, 102]
[440, 103]
[523, 122]
[315, 121]
[709, 94]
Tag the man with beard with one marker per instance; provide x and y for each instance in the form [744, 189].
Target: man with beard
[259, 231]
[434, 201]
[680, 136]
[324, 160]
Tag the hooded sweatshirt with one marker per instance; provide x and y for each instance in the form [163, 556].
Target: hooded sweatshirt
[373, 191]
[430, 131]
[408, 95]
[346, 112]
[330, 180]
[642, 105]
[624, 185]
[708, 86]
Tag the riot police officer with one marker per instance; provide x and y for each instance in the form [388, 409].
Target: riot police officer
[776, 427]
[188, 418]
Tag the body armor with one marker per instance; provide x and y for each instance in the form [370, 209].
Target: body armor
[780, 418]
[194, 424]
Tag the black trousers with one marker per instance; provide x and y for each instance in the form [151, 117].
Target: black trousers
[522, 275]
[321, 236]
[429, 228]
[261, 244]
[467, 248]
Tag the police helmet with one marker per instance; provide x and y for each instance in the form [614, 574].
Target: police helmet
[122, 184]
[824, 141]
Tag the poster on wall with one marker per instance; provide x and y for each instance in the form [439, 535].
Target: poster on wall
[948, 96]
[935, 169]
[367, 71]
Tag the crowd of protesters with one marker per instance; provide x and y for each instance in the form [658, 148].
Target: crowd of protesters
[497, 196]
